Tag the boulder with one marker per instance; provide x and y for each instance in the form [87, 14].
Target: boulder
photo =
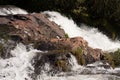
[29, 28]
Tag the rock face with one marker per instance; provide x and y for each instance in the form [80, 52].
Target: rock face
[44, 35]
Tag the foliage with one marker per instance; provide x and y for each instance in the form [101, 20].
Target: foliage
[116, 57]
[107, 14]
[113, 58]
[66, 35]
[62, 64]
[108, 57]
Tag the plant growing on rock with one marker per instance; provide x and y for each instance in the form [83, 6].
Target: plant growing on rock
[78, 53]
[108, 57]
[116, 57]
[113, 58]
[66, 35]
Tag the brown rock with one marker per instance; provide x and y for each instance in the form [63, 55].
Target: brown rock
[70, 43]
[30, 28]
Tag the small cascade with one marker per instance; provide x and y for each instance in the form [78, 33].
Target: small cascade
[19, 66]
[74, 63]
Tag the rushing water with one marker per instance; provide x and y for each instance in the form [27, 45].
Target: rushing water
[19, 66]
[95, 38]
[7, 10]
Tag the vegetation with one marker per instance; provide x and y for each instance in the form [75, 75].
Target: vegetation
[66, 35]
[62, 64]
[113, 58]
[116, 57]
[108, 57]
[78, 53]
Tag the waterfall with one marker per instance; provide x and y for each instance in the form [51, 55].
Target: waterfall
[19, 66]
[93, 36]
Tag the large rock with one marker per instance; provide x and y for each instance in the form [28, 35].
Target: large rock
[29, 28]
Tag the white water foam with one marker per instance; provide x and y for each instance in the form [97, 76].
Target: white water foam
[82, 77]
[7, 10]
[95, 38]
[74, 63]
[19, 66]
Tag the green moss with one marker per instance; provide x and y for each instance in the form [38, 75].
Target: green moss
[66, 35]
[116, 57]
[62, 64]
[113, 58]
[78, 53]
[109, 58]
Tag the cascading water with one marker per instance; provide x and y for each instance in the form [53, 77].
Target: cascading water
[94, 38]
[74, 63]
[19, 66]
